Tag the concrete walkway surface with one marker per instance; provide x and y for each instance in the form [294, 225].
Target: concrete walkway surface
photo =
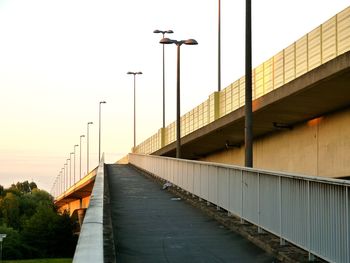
[153, 225]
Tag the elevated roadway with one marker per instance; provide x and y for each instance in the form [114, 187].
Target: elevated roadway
[322, 90]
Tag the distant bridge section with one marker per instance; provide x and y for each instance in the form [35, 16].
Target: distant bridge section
[78, 195]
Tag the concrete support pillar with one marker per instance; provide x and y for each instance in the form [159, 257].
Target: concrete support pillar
[161, 136]
[81, 215]
[214, 106]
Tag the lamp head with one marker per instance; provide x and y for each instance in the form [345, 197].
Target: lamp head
[167, 41]
[190, 42]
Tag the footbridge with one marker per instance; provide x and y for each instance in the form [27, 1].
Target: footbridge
[149, 224]
[296, 191]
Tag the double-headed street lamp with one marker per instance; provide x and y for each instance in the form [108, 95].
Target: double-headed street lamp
[134, 73]
[163, 32]
[99, 131]
[81, 136]
[178, 114]
[87, 147]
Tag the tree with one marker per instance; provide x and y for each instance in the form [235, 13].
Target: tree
[9, 206]
[1, 190]
[34, 228]
[55, 232]
[12, 244]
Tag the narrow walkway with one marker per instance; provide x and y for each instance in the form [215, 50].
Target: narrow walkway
[152, 225]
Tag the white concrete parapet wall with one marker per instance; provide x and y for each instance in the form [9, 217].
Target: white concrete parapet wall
[90, 243]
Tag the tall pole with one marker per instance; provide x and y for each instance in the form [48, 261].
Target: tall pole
[81, 136]
[70, 169]
[248, 88]
[163, 86]
[178, 111]
[87, 148]
[163, 33]
[134, 73]
[99, 132]
[62, 178]
[134, 110]
[74, 163]
[219, 46]
[66, 176]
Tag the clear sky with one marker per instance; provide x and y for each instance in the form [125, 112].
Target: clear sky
[58, 59]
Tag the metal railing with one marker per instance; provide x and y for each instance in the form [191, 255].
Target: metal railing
[310, 212]
[319, 46]
[90, 243]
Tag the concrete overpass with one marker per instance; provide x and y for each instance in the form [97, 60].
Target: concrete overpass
[322, 90]
[301, 110]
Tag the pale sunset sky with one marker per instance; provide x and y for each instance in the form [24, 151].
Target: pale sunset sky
[58, 59]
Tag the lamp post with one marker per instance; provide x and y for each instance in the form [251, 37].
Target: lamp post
[81, 136]
[99, 131]
[62, 178]
[248, 131]
[70, 169]
[178, 44]
[219, 46]
[66, 176]
[163, 33]
[74, 163]
[87, 147]
[134, 73]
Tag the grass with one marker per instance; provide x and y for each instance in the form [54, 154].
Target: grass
[43, 260]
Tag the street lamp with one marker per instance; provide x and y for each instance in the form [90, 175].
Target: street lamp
[74, 163]
[70, 169]
[219, 46]
[62, 179]
[248, 131]
[99, 131]
[134, 73]
[178, 44]
[81, 136]
[163, 32]
[2, 236]
[87, 147]
[66, 176]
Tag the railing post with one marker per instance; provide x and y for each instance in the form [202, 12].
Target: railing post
[260, 231]
[347, 223]
[282, 241]
[242, 184]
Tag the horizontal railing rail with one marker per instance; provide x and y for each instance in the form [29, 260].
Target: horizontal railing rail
[310, 212]
[90, 243]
